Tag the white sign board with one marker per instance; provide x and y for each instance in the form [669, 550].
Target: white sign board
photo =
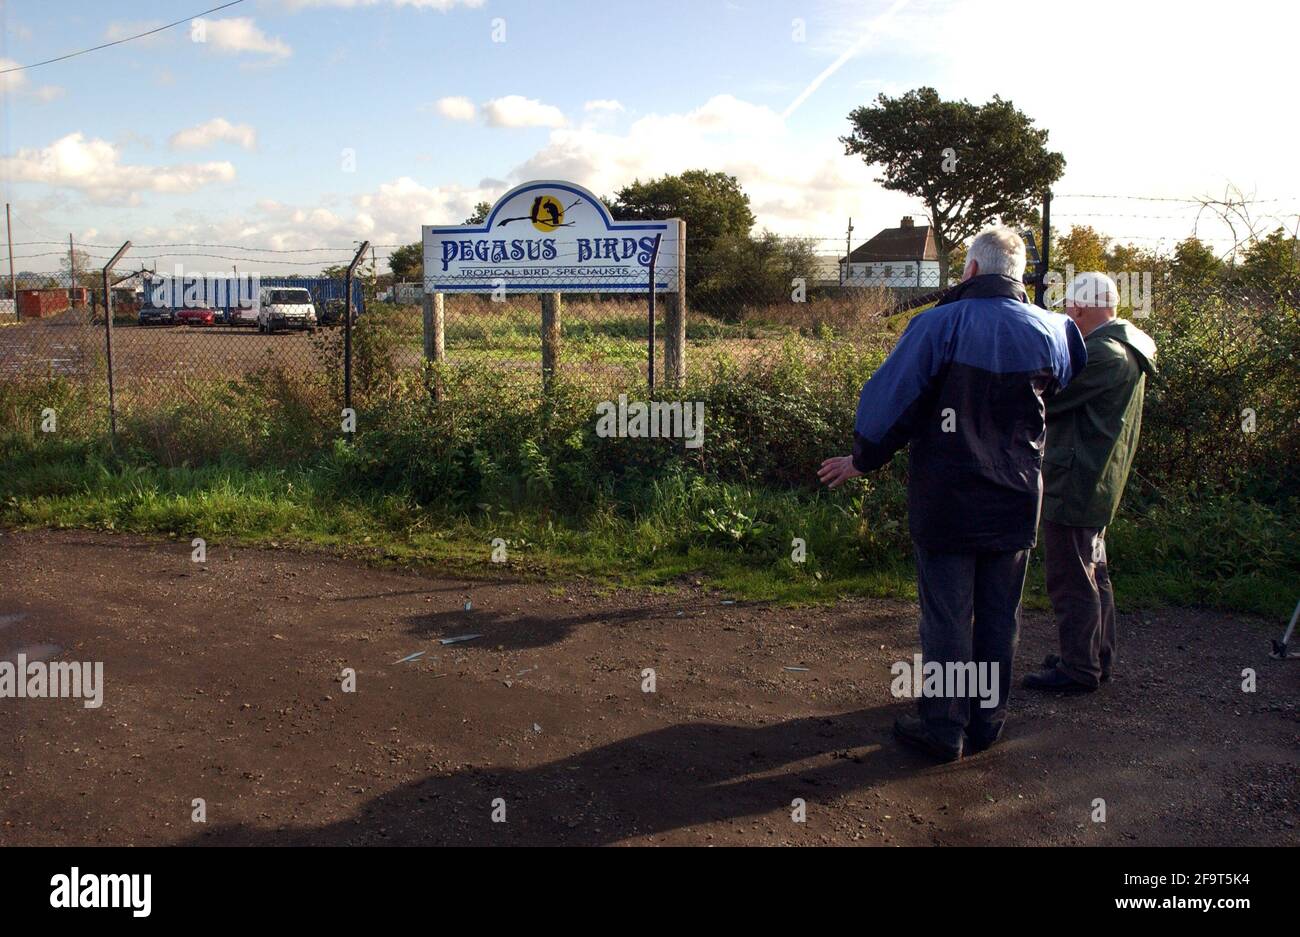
[550, 237]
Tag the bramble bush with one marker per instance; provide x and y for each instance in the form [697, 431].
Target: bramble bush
[1208, 517]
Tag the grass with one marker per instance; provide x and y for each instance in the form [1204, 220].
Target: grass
[72, 487]
[256, 459]
[660, 545]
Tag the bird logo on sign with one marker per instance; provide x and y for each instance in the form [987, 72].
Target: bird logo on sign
[547, 214]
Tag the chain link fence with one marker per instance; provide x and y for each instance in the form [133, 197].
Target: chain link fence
[1226, 397]
[169, 328]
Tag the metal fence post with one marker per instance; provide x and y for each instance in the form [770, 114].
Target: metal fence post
[13, 280]
[347, 326]
[108, 337]
[650, 349]
[1041, 293]
[675, 318]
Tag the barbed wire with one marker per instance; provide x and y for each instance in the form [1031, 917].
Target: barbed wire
[237, 247]
[1162, 198]
[1231, 211]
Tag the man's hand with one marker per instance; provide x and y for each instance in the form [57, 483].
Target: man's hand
[837, 470]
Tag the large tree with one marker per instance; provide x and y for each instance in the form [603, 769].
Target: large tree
[1082, 248]
[407, 262]
[480, 213]
[970, 164]
[79, 269]
[1273, 262]
[1195, 264]
[712, 204]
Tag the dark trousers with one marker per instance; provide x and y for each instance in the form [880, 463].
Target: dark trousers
[970, 612]
[1078, 583]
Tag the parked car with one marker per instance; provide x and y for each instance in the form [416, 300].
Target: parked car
[242, 315]
[157, 315]
[333, 313]
[284, 307]
[198, 317]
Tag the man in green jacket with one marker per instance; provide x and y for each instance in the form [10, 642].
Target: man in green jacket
[1092, 435]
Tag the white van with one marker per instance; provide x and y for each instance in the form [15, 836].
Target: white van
[285, 307]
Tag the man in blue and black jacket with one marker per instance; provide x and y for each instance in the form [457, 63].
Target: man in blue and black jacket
[966, 386]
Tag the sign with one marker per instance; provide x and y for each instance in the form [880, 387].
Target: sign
[550, 237]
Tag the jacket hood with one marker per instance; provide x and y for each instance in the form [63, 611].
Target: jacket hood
[1139, 342]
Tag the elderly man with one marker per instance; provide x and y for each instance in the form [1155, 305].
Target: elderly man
[1092, 434]
[965, 386]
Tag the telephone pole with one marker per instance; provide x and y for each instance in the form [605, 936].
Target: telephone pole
[13, 281]
[848, 249]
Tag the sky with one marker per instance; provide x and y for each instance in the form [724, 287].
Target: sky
[285, 131]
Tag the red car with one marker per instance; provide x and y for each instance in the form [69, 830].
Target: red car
[196, 316]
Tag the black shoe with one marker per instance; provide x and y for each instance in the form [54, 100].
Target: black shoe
[1053, 680]
[1051, 660]
[975, 745]
[911, 730]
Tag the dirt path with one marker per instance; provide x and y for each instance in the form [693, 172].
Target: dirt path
[222, 683]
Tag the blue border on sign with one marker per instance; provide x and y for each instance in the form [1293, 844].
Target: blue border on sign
[433, 284]
[610, 223]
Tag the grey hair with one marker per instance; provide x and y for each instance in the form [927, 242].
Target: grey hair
[998, 249]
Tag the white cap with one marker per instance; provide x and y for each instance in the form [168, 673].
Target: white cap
[1092, 289]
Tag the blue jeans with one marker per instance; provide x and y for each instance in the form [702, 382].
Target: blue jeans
[970, 612]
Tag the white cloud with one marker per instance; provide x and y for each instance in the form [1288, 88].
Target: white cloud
[118, 30]
[395, 212]
[238, 34]
[456, 108]
[869, 34]
[1153, 140]
[218, 129]
[441, 6]
[11, 81]
[796, 185]
[95, 168]
[390, 215]
[602, 105]
[515, 110]
[1182, 138]
[16, 83]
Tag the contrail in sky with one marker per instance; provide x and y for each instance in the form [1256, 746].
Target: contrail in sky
[851, 51]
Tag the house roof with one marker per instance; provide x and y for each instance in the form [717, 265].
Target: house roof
[906, 242]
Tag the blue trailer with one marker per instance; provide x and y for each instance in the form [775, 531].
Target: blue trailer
[228, 296]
